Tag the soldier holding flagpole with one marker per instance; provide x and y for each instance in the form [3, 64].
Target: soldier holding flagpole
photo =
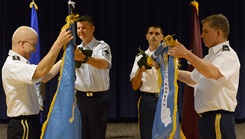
[19, 79]
[92, 80]
[215, 79]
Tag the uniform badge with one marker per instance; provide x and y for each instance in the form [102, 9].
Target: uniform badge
[106, 52]
[15, 57]
[226, 48]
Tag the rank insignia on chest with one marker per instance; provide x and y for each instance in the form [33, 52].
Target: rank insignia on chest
[226, 48]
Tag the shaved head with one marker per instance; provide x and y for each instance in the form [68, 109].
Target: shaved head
[23, 33]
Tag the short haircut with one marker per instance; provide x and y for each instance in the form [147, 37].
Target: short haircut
[87, 18]
[155, 26]
[218, 21]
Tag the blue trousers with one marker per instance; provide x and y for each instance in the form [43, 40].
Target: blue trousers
[24, 127]
[217, 125]
[94, 112]
[147, 107]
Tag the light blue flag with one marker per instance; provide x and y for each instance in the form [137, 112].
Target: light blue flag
[64, 120]
[166, 121]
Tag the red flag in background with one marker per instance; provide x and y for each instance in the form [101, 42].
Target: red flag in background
[189, 122]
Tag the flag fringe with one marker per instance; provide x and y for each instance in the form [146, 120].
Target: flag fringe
[169, 41]
[44, 127]
[175, 99]
[70, 19]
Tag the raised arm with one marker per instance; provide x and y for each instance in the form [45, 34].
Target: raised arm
[205, 68]
[48, 61]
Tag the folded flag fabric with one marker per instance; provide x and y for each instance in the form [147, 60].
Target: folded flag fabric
[166, 121]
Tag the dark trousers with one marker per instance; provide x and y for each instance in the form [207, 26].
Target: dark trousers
[217, 125]
[24, 127]
[94, 114]
[147, 107]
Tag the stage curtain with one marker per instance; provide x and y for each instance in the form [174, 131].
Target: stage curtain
[123, 25]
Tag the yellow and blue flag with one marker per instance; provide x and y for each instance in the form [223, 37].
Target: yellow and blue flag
[166, 121]
[64, 120]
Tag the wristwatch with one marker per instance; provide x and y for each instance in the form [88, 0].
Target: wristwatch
[85, 60]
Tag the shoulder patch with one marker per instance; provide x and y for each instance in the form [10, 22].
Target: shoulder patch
[15, 57]
[226, 48]
[106, 52]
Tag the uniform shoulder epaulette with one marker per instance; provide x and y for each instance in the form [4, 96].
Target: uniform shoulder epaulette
[99, 42]
[15, 57]
[226, 48]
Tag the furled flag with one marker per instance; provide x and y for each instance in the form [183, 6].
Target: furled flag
[64, 120]
[166, 121]
[189, 120]
[35, 57]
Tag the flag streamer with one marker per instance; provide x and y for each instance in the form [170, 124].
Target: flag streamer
[166, 121]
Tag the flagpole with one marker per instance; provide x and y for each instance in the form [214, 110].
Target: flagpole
[71, 6]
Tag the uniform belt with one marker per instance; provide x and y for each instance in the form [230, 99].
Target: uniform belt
[28, 117]
[214, 112]
[91, 94]
[151, 94]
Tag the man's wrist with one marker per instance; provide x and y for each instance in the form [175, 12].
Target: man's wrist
[85, 60]
[188, 56]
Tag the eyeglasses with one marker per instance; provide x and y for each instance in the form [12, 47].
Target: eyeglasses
[33, 45]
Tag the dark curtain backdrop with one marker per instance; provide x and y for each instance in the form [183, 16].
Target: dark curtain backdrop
[123, 25]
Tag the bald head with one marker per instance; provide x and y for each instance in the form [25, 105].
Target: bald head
[23, 33]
